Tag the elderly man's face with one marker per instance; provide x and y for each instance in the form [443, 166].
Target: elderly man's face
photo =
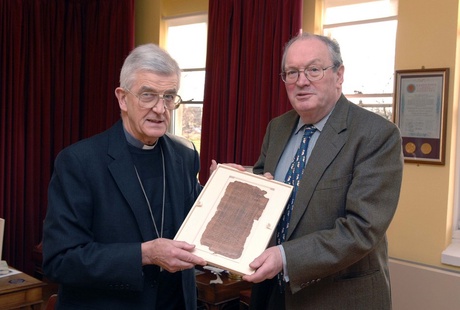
[313, 100]
[147, 125]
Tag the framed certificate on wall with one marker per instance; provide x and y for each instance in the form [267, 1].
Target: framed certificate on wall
[420, 111]
[234, 218]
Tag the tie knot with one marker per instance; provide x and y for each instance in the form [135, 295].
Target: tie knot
[309, 130]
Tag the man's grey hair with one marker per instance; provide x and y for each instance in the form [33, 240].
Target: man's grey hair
[147, 58]
[332, 45]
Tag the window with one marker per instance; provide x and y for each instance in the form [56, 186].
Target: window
[451, 255]
[366, 32]
[186, 42]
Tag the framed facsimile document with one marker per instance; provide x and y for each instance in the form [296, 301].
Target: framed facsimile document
[234, 217]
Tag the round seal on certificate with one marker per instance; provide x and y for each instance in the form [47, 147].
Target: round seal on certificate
[426, 148]
[410, 147]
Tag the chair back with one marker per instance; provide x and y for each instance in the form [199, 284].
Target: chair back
[50, 304]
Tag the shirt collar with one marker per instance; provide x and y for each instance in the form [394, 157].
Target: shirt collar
[319, 125]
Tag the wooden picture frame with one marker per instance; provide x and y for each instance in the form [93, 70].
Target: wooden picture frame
[420, 112]
[234, 217]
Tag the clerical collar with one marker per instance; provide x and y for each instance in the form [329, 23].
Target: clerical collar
[137, 143]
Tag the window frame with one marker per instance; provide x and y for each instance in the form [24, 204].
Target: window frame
[451, 255]
[357, 97]
[182, 21]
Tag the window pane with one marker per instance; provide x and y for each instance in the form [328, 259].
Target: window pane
[188, 122]
[342, 11]
[187, 45]
[192, 85]
[381, 105]
[368, 52]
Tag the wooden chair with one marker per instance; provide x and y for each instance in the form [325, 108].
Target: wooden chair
[51, 302]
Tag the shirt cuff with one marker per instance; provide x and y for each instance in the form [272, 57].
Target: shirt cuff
[283, 256]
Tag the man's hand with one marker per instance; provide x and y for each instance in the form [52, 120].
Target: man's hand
[213, 166]
[268, 175]
[267, 265]
[171, 255]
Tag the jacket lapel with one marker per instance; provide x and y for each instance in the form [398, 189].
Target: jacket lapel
[122, 170]
[330, 142]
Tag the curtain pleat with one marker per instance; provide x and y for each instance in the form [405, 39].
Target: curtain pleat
[59, 62]
[243, 90]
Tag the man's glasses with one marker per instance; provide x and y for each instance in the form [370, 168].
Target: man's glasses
[311, 73]
[149, 100]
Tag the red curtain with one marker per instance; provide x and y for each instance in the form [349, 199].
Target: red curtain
[60, 62]
[243, 90]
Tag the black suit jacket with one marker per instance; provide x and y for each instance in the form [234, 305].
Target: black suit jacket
[97, 219]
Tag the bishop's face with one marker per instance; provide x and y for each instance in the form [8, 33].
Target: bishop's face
[147, 124]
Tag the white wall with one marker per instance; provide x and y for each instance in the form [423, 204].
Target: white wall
[418, 287]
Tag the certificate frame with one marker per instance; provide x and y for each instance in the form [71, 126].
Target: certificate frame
[420, 112]
[201, 219]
